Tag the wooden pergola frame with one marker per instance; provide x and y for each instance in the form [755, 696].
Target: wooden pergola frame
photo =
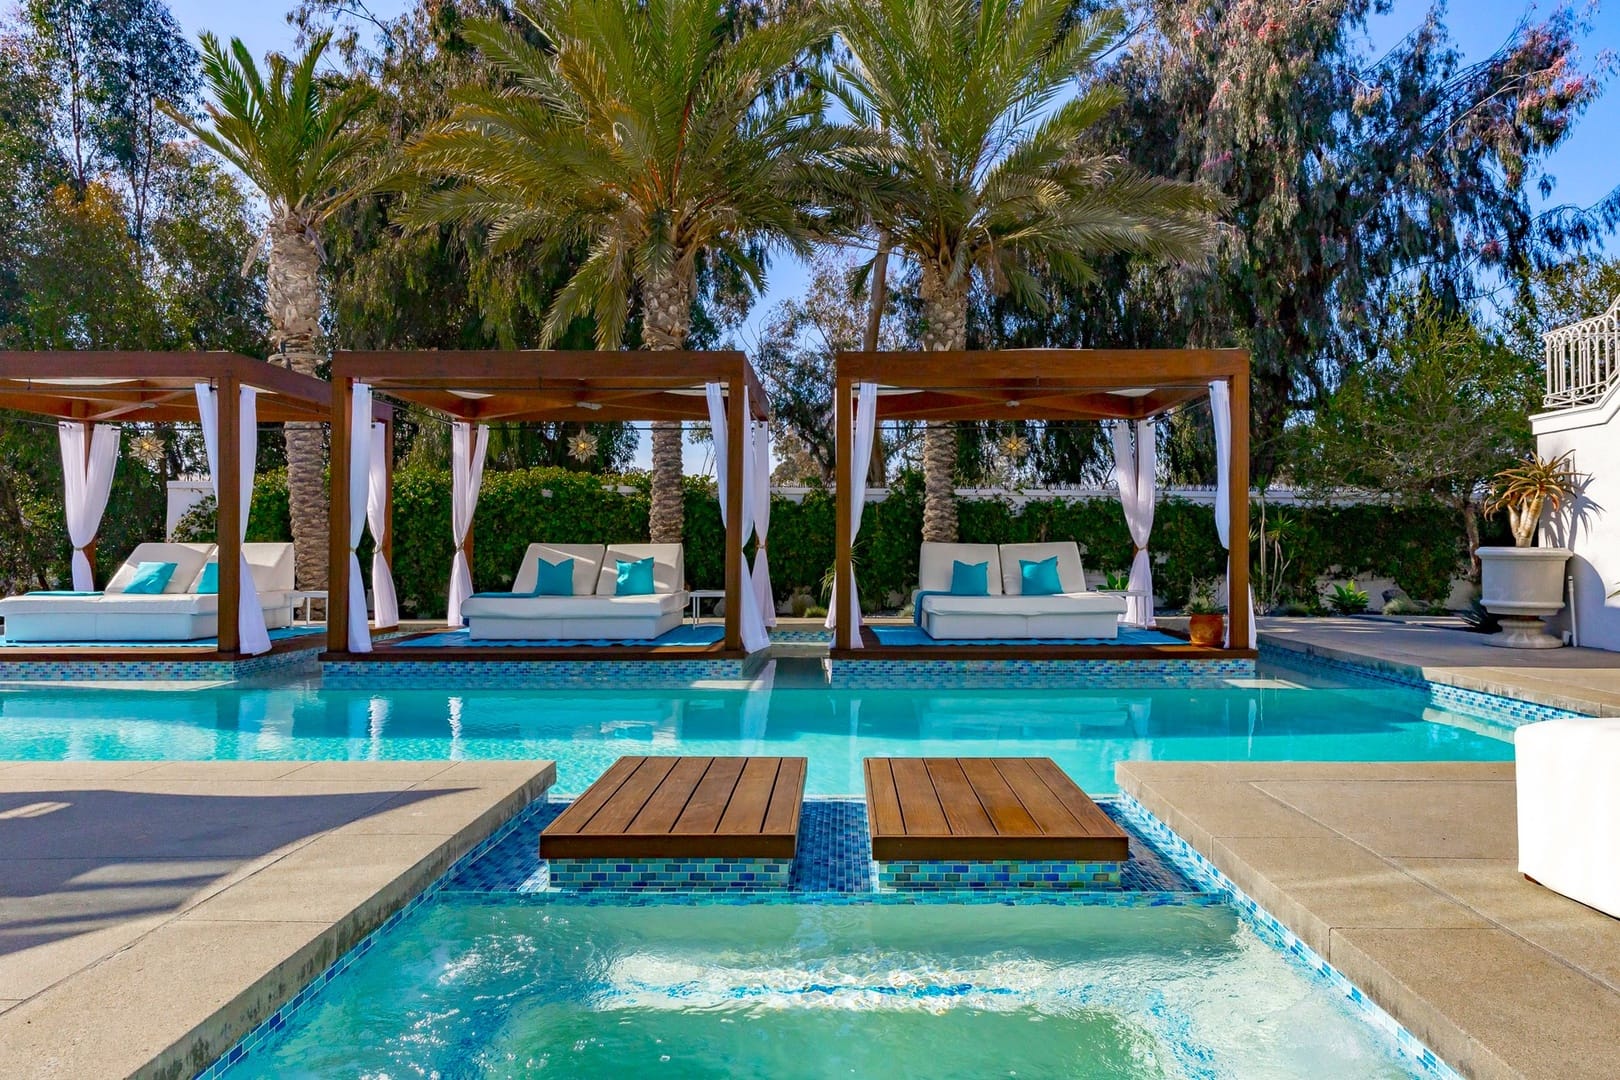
[498, 386]
[1044, 384]
[89, 387]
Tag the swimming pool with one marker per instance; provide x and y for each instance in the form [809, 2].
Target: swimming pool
[785, 990]
[1281, 716]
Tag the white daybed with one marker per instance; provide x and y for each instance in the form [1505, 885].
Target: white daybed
[594, 611]
[1006, 612]
[178, 613]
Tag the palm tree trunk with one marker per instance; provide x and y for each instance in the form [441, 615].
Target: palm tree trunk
[944, 328]
[669, 314]
[293, 303]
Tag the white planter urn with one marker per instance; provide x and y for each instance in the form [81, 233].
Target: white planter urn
[1522, 586]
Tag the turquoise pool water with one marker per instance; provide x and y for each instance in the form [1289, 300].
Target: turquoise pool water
[1282, 716]
[786, 991]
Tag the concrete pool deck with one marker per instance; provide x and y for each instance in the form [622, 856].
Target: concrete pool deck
[1439, 650]
[1404, 877]
[152, 913]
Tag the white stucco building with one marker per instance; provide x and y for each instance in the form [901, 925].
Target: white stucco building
[1583, 419]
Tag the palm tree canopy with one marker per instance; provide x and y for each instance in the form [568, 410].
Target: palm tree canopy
[983, 118]
[640, 129]
[305, 145]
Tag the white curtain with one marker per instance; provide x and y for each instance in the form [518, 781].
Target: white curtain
[1220, 407]
[754, 635]
[252, 636]
[865, 436]
[359, 502]
[87, 480]
[466, 476]
[760, 493]
[384, 600]
[1135, 471]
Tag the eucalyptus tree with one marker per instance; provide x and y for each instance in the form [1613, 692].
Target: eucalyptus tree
[308, 147]
[658, 135]
[976, 111]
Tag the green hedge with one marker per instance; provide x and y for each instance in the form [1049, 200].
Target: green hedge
[1422, 549]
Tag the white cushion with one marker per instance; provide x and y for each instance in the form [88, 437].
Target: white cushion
[1071, 576]
[669, 566]
[1025, 606]
[587, 564]
[935, 563]
[188, 562]
[1569, 808]
[573, 607]
[271, 566]
[113, 604]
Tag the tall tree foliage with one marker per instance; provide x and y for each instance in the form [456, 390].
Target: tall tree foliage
[1352, 177]
[651, 135]
[977, 172]
[308, 149]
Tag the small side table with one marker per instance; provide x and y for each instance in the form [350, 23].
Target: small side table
[304, 597]
[700, 595]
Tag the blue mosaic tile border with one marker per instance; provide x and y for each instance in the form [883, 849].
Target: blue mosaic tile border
[999, 874]
[525, 674]
[300, 661]
[272, 1025]
[1270, 930]
[1506, 713]
[669, 874]
[1028, 674]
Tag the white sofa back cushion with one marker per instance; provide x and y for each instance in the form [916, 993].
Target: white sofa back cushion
[1071, 575]
[936, 562]
[188, 562]
[669, 566]
[587, 565]
[271, 566]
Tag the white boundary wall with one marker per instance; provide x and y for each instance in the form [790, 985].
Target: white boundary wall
[1591, 527]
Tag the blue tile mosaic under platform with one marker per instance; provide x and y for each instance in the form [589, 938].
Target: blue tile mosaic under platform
[914, 635]
[524, 674]
[1000, 874]
[280, 634]
[669, 874]
[1025, 674]
[295, 662]
[702, 634]
[833, 864]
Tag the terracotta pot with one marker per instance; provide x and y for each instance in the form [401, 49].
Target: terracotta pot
[1206, 630]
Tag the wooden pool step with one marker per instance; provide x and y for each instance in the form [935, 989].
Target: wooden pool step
[684, 808]
[985, 809]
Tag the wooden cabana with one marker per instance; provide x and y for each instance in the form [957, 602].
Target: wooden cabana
[1047, 385]
[489, 387]
[91, 388]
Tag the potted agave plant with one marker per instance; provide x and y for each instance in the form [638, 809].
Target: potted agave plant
[1206, 625]
[1522, 584]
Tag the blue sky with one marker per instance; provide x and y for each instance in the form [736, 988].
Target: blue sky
[1586, 167]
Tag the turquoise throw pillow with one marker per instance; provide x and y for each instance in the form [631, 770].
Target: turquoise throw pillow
[1040, 578]
[635, 578]
[970, 579]
[209, 581]
[151, 578]
[556, 579]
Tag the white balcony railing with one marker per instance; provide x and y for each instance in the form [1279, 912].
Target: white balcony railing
[1583, 360]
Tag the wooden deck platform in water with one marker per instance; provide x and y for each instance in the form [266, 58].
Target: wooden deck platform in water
[954, 809]
[684, 808]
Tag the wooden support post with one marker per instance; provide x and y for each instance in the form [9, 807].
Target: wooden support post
[90, 548]
[385, 542]
[736, 426]
[843, 474]
[228, 530]
[1237, 586]
[337, 575]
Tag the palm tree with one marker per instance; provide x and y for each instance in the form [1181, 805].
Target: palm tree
[982, 172]
[647, 133]
[307, 147]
